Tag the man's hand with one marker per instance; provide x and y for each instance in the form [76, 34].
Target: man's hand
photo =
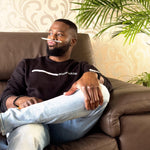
[89, 85]
[26, 101]
[22, 102]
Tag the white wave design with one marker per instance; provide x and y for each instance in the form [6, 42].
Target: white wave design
[54, 74]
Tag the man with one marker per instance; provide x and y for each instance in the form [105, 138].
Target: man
[52, 99]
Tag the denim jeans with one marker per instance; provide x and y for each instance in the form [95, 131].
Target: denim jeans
[58, 120]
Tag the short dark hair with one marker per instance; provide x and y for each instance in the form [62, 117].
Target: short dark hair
[70, 23]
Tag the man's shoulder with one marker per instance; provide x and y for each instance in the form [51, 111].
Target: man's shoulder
[26, 62]
[79, 62]
[37, 59]
[82, 63]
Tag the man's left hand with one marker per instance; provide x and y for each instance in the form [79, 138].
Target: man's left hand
[90, 86]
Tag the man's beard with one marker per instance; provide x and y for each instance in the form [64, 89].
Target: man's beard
[58, 51]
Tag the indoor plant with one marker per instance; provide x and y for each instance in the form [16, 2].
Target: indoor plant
[129, 16]
[142, 79]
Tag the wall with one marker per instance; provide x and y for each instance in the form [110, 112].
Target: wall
[111, 57]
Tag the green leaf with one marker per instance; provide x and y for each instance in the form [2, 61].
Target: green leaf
[142, 79]
[133, 16]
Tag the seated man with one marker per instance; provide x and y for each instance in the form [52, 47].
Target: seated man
[52, 99]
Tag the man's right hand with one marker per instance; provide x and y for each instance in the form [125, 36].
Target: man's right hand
[22, 102]
[26, 101]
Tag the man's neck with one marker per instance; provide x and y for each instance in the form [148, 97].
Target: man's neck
[59, 59]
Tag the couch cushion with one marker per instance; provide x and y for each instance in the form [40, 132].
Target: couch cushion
[16, 46]
[135, 134]
[96, 141]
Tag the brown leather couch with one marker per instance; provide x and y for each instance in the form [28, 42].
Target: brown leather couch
[125, 124]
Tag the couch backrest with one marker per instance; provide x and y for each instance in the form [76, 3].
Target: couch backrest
[14, 46]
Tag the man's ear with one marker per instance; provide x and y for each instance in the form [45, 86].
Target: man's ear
[73, 42]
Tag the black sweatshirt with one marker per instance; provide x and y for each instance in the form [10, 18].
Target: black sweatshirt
[45, 79]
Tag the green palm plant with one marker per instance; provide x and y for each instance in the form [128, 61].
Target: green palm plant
[142, 79]
[129, 16]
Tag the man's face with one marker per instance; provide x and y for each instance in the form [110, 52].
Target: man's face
[59, 31]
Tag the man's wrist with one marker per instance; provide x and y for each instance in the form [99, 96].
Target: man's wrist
[14, 102]
[96, 72]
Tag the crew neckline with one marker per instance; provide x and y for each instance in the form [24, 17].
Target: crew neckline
[52, 61]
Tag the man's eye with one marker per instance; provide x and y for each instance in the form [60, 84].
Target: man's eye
[50, 33]
[59, 34]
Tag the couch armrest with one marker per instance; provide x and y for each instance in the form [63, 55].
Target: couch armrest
[126, 99]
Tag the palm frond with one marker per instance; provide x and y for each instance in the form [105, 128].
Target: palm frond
[108, 26]
[97, 10]
[132, 15]
[135, 22]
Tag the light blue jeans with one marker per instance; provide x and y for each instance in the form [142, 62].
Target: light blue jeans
[58, 120]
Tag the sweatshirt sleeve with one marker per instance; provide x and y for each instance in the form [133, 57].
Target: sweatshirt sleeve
[15, 85]
[87, 67]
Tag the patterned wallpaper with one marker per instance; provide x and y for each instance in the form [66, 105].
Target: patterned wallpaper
[112, 58]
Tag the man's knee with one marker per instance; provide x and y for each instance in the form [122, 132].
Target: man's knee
[33, 135]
